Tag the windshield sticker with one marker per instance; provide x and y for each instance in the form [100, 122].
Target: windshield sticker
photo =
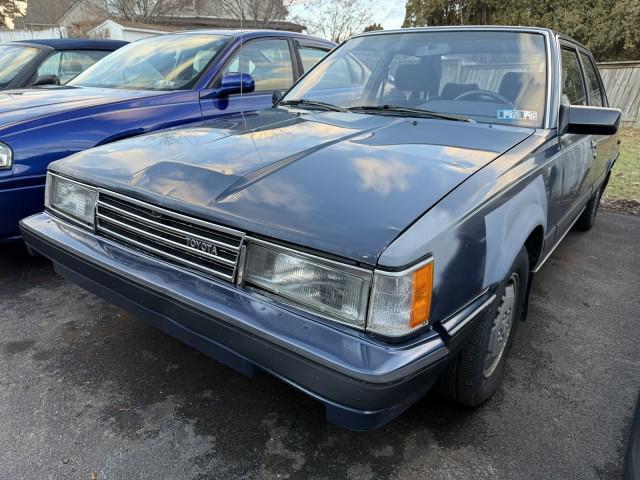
[517, 115]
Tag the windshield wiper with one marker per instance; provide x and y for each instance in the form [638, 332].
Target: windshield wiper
[412, 112]
[303, 102]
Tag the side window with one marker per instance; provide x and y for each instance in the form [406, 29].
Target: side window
[593, 84]
[267, 61]
[310, 56]
[74, 62]
[573, 91]
[69, 63]
[51, 66]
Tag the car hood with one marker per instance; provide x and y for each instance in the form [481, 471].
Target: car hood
[342, 183]
[29, 104]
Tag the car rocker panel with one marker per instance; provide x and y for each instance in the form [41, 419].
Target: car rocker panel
[360, 253]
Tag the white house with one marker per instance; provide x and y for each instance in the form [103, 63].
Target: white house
[120, 30]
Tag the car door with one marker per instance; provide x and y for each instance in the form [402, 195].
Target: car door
[602, 144]
[577, 151]
[270, 62]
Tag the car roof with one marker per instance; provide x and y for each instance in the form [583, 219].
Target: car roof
[74, 43]
[494, 28]
[250, 33]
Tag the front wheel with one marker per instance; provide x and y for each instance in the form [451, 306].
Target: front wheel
[476, 372]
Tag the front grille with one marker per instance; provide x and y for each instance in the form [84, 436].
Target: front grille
[190, 242]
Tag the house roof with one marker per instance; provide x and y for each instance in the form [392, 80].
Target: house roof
[226, 23]
[44, 13]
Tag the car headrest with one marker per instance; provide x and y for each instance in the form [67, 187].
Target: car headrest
[419, 77]
[514, 85]
[452, 90]
[72, 67]
[410, 77]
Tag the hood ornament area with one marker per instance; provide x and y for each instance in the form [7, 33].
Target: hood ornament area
[202, 246]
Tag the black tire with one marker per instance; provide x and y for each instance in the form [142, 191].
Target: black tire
[588, 218]
[474, 375]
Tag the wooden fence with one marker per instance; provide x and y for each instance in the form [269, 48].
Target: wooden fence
[622, 83]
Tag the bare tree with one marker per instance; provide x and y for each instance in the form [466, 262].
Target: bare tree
[9, 10]
[336, 19]
[256, 13]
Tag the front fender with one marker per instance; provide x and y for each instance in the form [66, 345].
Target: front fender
[508, 227]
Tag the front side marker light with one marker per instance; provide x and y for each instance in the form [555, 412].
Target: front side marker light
[422, 289]
[401, 302]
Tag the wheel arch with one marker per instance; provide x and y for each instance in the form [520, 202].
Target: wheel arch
[534, 244]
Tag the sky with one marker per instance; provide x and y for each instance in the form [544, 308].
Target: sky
[391, 13]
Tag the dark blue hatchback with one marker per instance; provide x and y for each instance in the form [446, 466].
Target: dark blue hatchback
[151, 84]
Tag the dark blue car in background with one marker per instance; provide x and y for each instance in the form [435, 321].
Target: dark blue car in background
[28, 63]
[148, 85]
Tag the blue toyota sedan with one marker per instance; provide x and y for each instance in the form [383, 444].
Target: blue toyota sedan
[148, 85]
[374, 233]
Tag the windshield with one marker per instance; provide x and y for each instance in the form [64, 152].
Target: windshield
[168, 62]
[12, 60]
[491, 77]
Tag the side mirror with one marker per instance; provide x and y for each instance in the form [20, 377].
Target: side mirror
[277, 95]
[233, 83]
[46, 80]
[588, 120]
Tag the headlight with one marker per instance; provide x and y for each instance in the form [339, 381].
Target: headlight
[71, 199]
[401, 302]
[6, 156]
[338, 291]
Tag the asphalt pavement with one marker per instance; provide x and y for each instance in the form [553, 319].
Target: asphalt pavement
[89, 391]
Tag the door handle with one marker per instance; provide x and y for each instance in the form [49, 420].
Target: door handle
[594, 148]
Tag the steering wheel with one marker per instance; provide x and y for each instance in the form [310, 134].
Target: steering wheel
[485, 95]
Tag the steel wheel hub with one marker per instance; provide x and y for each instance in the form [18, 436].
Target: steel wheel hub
[502, 325]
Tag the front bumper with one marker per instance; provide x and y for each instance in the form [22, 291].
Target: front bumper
[364, 383]
[19, 198]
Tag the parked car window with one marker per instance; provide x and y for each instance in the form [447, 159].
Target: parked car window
[595, 91]
[267, 61]
[310, 56]
[573, 91]
[12, 60]
[167, 62]
[495, 77]
[69, 63]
